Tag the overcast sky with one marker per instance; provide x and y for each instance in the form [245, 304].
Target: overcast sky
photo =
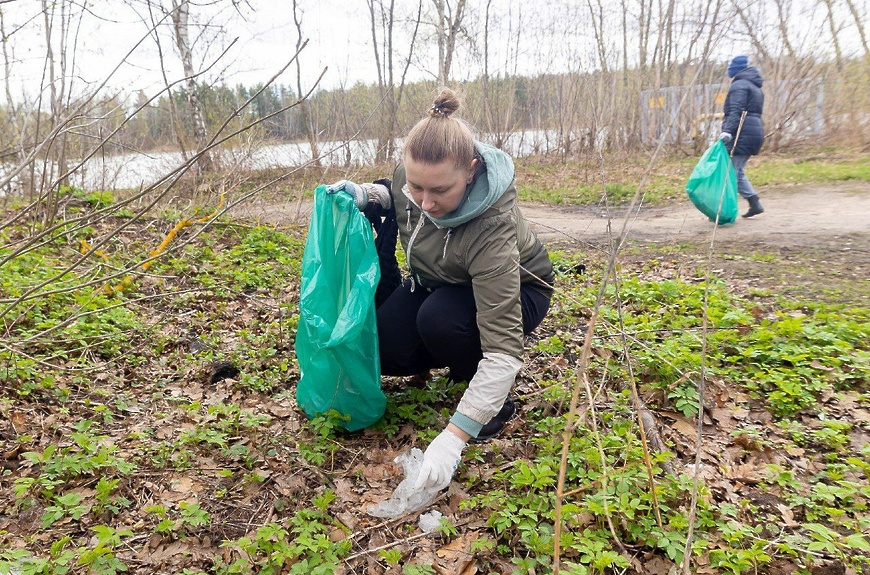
[266, 39]
[339, 34]
[556, 34]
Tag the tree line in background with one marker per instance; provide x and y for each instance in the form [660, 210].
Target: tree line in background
[631, 73]
[496, 108]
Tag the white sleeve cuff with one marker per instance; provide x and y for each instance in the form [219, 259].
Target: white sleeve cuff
[489, 387]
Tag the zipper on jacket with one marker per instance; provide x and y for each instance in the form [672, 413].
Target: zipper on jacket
[417, 229]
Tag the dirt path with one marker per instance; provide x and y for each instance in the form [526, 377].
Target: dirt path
[798, 216]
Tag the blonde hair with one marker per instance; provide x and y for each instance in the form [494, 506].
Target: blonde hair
[440, 136]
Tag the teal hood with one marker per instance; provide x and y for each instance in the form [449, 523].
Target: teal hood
[486, 189]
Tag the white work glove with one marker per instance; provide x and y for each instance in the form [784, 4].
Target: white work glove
[440, 461]
[725, 137]
[362, 194]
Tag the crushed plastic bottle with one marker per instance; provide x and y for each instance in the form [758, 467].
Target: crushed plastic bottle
[430, 521]
[405, 498]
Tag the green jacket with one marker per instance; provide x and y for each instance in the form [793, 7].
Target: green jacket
[479, 244]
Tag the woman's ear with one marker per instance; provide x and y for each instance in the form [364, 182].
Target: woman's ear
[471, 169]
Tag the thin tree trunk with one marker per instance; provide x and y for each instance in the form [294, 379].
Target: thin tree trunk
[401, 90]
[441, 37]
[304, 112]
[859, 23]
[835, 36]
[180, 19]
[669, 38]
[598, 32]
[174, 120]
[20, 125]
[783, 28]
[392, 108]
[451, 38]
[56, 87]
[381, 144]
[447, 28]
[750, 26]
[644, 23]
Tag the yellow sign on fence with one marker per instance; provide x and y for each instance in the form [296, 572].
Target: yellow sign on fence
[657, 103]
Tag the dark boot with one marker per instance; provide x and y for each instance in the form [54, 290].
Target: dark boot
[755, 207]
[420, 380]
[497, 423]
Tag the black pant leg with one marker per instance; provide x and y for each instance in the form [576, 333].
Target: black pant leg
[422, 330]
[535, 306]
[401, 348]
[447, 322]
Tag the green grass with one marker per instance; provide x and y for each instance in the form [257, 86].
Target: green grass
[579, 181]
[776, 171]
[581, 195]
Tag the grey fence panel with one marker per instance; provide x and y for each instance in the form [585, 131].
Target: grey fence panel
[792, 107]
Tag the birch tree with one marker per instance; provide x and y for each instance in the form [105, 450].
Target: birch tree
[448, 23]
[181, 32]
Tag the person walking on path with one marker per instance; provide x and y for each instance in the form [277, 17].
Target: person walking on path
[478, 277]
[744, 96]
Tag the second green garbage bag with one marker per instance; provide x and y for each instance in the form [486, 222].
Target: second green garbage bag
[337, 337]
[712, 187]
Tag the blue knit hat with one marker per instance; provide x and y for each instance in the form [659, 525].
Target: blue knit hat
[737, 65]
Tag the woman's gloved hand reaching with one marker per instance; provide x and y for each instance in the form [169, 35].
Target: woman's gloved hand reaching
[362, 194]
[440, 461]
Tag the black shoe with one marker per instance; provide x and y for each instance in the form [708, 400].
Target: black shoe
[755, 207]
[497, 423]
[420, 380]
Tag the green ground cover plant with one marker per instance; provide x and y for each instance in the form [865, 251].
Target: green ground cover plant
[128, 448]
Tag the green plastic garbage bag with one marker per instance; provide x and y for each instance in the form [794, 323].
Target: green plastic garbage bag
[713, 183]
[337, 337]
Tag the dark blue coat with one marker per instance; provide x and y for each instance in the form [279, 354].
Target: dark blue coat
[745, 95]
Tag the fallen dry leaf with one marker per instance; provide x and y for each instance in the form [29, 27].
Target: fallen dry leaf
[190, 547]
[659, 565]
[861, 415]
[378, 472]
[745, 473]
[344, 490]
[290, 485]
[18, 420]
[686, 428]
[280, 409]
[456, 557]
[181, 484]
[787, 515]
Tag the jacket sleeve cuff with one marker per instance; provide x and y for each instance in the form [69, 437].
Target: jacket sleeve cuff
[466, 424]
[488, 388]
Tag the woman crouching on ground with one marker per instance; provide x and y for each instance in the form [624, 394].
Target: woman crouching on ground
[478, 277]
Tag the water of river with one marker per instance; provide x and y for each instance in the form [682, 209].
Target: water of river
[136, 169]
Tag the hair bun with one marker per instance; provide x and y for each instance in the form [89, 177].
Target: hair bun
[445, 104]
